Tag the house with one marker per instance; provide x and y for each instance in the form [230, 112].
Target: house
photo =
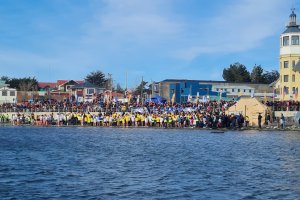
[65, 85]
[7, 94]
[46, 86]
[85, 91]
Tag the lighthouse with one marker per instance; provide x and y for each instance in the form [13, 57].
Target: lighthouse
[290, 60]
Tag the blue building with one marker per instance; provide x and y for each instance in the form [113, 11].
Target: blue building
[184, 89]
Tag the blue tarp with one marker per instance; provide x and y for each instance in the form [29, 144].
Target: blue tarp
[156, 99]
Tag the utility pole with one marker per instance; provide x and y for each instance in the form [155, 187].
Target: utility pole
[142, 88]
[110, 86]
[126, 81]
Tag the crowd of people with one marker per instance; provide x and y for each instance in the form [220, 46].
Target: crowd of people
[283, 105]
[195, 119]
[209, 114]
[100, 105]
[110, 106]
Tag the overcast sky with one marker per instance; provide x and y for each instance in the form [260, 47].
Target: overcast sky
[156, 39]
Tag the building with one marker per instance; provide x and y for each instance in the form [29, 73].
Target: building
[289, 60]
[59, 90]
[183, 88]
[234, 90]
[7, 94]
[191, 90]
[86, 92]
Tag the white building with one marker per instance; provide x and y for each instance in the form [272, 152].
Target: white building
[243, 89]
[7, 95]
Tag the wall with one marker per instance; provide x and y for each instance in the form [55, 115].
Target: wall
[8, 98]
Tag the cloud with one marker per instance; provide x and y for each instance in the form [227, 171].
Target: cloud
[134, 21]
[241, 26]
[147, 37]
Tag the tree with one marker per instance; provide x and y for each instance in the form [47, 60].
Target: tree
[23, 84]
[28, 84]
[119, 89]
[270, 77]
[97, 78]
[257, 74]
[5, 78]
[237, 73]
[140, 88]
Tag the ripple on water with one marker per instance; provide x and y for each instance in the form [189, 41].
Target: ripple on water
[91, 163]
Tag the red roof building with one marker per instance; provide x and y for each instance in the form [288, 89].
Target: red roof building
[46, 84]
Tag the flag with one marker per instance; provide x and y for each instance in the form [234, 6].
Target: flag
[173, 98]
[284, 92]
[189, 98]
[296, 94]
[221, 95]
[129, 98]
[252, 93]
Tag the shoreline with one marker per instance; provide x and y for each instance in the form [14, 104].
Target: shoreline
[217, 130]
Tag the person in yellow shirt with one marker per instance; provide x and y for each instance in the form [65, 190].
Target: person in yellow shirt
[126, 118]
[142, 118]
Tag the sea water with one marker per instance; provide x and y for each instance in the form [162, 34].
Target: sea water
[141, 163]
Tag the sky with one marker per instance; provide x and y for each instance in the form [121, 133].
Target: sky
[149, 39]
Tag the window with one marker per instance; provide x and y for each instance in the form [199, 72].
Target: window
[217, 89]
[293, 78]
[286, 78]
[293, 90]
[286, 41]
[293, 64]
[285, 90]
[90, 91]
[225, 90]
[232, 90]
[295, 40]
[4, 93]
[244, 90]
[172, 91]
[12, 93]
[249, 91]
[239, 90]
[286, 64]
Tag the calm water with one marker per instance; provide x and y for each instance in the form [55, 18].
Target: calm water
[107, 163]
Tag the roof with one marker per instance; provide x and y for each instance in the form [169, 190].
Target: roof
[209, 81]
[274, 83]
[182, 80]
[84, 85]
[292, 29]
[46, 84]
[62, 82]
